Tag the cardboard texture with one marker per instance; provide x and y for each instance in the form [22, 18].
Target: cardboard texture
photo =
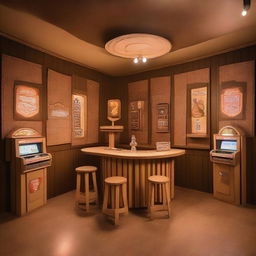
[59, 108]
[15, 69]
[242, 72]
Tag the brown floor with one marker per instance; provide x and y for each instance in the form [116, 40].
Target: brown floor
[200, 225]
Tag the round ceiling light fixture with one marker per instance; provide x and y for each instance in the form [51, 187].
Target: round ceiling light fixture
[246, 7]
[139, 47]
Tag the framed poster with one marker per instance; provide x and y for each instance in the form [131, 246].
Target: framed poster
[197, 109]
[79, 116]
[136, 109]
[162, 117]
[232, 100]
[27, 101]
[114, 110]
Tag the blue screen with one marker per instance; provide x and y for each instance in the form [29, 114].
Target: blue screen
[229, 145]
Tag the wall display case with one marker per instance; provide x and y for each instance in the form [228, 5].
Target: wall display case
[79, 110]
[163, 117]
[136, 112]
[27, 101]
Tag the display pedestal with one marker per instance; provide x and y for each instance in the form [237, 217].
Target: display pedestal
[112, 131]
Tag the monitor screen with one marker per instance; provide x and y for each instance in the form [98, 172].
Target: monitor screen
[29, 149]
[228, 145]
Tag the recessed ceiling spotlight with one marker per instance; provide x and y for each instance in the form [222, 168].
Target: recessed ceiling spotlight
[246, 7]
[138, 47]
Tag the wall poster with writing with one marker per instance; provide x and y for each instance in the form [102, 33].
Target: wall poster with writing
[136, 109]
[163, 117]
[232, 100]
[79, 103]
[27, 101]
[198, 105]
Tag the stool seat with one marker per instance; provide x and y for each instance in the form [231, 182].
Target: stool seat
[158, 179]
[86, 169]
[115, 180]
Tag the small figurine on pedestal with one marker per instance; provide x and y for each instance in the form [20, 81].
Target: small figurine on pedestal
[133, 143]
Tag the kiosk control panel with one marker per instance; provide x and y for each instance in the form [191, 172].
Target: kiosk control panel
[229, 173]
[26, 152]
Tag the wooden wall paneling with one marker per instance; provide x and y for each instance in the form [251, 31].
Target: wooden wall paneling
[138, 91]
[93, 91]
[193, 171]
[160, 93]
[59, 108]
[51, 178]
[64, 172]
[180, 109]
[14, 69]
[241, 72]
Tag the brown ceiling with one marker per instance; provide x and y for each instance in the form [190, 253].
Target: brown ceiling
[185, 23]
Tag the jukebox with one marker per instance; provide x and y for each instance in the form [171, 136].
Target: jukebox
[229, 165]
[26, 152]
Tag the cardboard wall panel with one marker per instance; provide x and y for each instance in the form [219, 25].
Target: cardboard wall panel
[138, 91]
[15, 69]
[93, 89]
[59, 108]
[160, 93]
[180, 109]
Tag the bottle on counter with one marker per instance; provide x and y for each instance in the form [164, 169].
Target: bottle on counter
[133, 143]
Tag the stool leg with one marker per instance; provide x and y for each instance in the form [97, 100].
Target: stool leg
[117, 192]
[151, 199]
[87, 194]
[164, 195]
[167, 192]
[106, 194]
[124, 195]
[78, 187]
[95, 187]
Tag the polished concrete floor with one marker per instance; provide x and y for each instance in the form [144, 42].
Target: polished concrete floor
[199, 225]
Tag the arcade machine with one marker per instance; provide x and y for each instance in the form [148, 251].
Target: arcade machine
[26, 152]
[229, 165]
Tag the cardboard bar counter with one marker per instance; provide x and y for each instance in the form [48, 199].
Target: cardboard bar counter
[137, 166]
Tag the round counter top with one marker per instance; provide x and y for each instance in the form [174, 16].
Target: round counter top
[128, 154]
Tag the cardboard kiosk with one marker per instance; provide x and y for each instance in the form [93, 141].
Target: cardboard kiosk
[229, 165]
[26, 151]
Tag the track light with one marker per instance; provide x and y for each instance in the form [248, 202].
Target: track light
[136, 60]
[246, 7]
[140, 59]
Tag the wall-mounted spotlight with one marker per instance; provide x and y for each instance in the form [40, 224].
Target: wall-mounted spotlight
[246, 7]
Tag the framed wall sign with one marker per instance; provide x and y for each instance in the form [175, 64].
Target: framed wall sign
[114, 110]
[163, 117]
[79, 116]
[27, 101]
[197, 109]
[232, 100]
[136, 111]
